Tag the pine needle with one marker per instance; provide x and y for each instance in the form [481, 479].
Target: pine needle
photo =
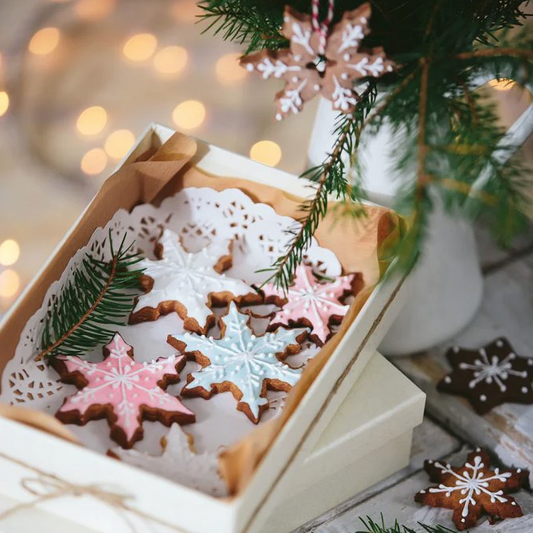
[99, 295]
[380, 527]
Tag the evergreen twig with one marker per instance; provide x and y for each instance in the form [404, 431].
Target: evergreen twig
[446, 134]
[100, 294]
[380, 527]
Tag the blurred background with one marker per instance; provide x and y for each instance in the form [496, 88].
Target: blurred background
[81, 79]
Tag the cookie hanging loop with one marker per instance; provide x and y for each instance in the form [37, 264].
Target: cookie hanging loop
[322, 28]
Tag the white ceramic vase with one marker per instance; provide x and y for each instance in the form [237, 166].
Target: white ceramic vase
[446, 287]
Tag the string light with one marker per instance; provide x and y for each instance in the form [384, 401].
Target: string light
[4, 102]
[266, 152]
[94, 161]
[91, 10]
[189, 114]
[171, 60]
[9, 283]
[9, 252]
[118, 144]
[44, 41]
[502, 84]
[140, 47]
[92, 120]
[228, 70]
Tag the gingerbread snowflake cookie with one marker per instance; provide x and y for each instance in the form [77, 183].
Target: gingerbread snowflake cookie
[121, 390]
[310, 302]
[188, 283]
[490, 376]
[179, 463]
[473, 489]
[308, 70]
[241, 362]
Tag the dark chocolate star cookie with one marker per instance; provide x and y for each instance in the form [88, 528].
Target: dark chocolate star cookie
[490, 376]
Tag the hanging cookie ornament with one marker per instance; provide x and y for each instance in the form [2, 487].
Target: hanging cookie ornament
[320, 61]
[490, 376]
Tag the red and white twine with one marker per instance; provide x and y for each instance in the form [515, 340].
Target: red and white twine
[322, 28]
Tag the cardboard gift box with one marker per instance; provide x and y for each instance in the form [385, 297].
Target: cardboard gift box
[294, 455]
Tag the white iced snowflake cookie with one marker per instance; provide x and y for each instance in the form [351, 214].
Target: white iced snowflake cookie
[188, 283]
[179, 463]
[241, 362]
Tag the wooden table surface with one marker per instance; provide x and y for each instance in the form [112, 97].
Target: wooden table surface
[451, 428]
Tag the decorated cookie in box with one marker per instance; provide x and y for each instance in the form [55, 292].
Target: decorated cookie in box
[169, 334]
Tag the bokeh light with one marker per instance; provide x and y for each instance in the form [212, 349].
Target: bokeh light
[228, 70]
[92, 120]
[9, 283]
[4, 102]
[502, 84]
[189, 114]
[118, 144]
[266, 152]
[94, 161]
[9, 252]
[92, 10]
[140, 47]
[44, 41]
[170, 60]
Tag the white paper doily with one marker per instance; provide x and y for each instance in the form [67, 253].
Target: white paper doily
[198, 215]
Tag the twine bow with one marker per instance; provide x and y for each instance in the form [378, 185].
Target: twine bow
[322, 28]
[45, 487]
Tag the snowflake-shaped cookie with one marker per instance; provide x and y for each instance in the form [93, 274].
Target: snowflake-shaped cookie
[241, 362]
[188, 283]
[307, 74]
[311, 303]
[179, 463]
[121, 390]
[473, 489]
[489, 376]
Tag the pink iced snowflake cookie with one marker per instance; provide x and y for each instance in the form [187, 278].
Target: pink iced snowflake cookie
[121, 390]
[310, 302]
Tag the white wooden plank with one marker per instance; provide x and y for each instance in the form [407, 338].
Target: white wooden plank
[398, 503]
[429, 439]
[507, 310]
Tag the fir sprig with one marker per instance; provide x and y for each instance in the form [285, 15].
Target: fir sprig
[380, 527]
[329, 180]
[449, 149]
[99, 295]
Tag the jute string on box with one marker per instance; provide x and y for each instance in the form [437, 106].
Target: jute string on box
[46, 487]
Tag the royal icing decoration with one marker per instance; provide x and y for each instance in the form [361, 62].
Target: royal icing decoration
[473, 489]
[121, 390]
[248, 363]
[189, 278]
[308, 302]
[489, 376]
[306, 73]
[179, 463]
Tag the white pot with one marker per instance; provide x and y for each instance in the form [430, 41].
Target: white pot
[446, 287]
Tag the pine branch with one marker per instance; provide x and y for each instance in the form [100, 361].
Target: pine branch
[376, 527]
[445, 134]
[330, 179]
[99, 295]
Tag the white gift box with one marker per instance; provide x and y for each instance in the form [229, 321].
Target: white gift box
[325, 452]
